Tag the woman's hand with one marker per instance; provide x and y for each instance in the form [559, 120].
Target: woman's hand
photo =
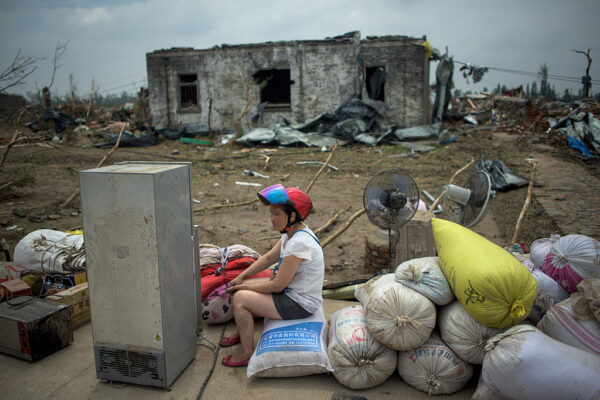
[239, 286]
[236, 281]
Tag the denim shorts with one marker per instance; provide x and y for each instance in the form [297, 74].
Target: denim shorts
[288, 308]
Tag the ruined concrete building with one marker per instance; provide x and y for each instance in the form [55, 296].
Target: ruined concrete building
[295, 80]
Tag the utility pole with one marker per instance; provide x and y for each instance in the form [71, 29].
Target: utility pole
[587, 79]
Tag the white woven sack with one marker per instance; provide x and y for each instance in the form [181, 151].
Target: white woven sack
[581, 252]
[396, 315]
[463, 334]
[560, 323]
[49, 251]
[295, 347]
[485, 393]
[549, 292]
[425, 276]
[524, 363]
[359, 361]
[434, 368]
[540, 248]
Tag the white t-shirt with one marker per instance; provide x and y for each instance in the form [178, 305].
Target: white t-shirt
[306, 286]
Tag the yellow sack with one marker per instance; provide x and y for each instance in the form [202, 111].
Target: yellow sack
[493, 286]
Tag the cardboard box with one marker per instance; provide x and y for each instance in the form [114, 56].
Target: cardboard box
[14, 288]
[78, 299]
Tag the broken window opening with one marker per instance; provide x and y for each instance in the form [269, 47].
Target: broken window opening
[188, 90]
[375, 83]
[275, 87]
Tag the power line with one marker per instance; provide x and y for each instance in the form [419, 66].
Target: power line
[122, 86]
[563, 78]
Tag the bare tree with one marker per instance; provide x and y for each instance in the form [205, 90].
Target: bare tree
[20, 68]
[587, 80]
[58, 52]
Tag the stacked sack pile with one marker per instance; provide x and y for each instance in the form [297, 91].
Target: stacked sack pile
[218, 267]
[437, 317]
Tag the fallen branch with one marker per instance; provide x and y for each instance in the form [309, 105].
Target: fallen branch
[7, 184]
[216, 207]
[76, 192]
[343, 228]
[331, 221]
[527, 201]
[15, 139]
[323, 166]
[439, 198]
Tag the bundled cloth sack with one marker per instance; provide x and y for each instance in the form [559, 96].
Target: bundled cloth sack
[211, 255]
[571, 259]
[50, 251]
[213, 277]
[586, 302]
[561, 324]
[425, 276]
[524, 363]
[549, 292]
[294, 347]
[493, 286]
[434, 368]
[463, 334]
[358, 360]
[540, 248]
[396, 315]
[219, 266]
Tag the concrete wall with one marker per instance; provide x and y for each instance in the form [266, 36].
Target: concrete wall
[325, 74]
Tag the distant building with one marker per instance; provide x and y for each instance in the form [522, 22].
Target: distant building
[297, 80]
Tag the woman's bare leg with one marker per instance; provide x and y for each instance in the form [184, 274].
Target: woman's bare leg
[246, 305]
[236, 332]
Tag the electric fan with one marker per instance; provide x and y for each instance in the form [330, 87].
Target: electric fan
[471, 199]
[391, 198]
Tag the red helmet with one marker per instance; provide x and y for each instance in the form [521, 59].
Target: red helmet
[302, 202]
[294, 197]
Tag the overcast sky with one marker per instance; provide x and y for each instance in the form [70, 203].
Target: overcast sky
[108, 39]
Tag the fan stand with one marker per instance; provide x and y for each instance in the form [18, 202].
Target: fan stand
[397, 201]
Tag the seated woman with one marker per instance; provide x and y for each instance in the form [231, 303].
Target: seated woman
[295, 290]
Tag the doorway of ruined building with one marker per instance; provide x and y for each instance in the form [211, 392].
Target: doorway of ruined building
[375, 82]
[275, 87]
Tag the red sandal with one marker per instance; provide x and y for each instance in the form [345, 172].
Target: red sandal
[229, 341]
[227, 362]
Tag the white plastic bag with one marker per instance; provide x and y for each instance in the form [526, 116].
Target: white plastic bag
[359, 361]
[540, 248]
[425, 276]
[295, 347]
[434, 368]
[396, 315]
[463, 334]
[524, 363]
[549, 292]
[560, 323]
[50, 251]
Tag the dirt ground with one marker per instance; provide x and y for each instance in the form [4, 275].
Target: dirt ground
[45, 173]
